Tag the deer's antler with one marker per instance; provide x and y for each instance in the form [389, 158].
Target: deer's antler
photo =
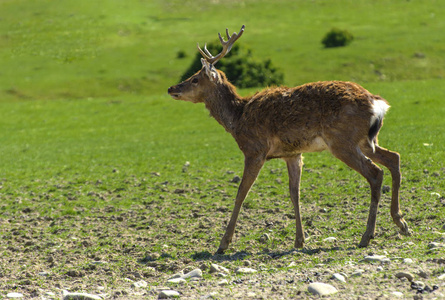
[227, 46]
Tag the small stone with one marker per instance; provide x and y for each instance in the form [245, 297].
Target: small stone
[330, 239]
[196, 273]
[406, 275]
[397, 294]
[339, 277]
[377, 258]
[292, 264]
[176, 280]
[14, 295]
[407, 261]
[417, 285]
[441, 277]
[358, 272]
[245, 271]
[139, 284]
[168, 294]
[79, 296]
[433, 245]
[321, 289]
[214, 268]
[223, 282]
[264, 238]
[236, 179]
[379, 269]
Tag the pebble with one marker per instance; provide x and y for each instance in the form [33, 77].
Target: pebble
[14, 295]
[407, 261]
[434, 245]
[397, 294]
[330, 239]
[358, 272]
[168, 294]
[139, 284]
[214, 268]
[264, 238]
[176, 280]
[321, 289]
[339, 277]
[245, 271]
[441, 277]
[196, 273]
[377, 258]
[406, 275]
[223, 282]
[236, 179]
[79, 296]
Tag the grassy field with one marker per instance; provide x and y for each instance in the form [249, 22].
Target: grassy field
[93, 153]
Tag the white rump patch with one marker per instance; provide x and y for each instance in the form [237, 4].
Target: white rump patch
[379, 109]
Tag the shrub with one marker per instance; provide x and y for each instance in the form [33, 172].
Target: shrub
[240, 67]
[337, 38]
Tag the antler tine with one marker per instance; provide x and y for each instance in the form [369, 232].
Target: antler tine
[227, 46]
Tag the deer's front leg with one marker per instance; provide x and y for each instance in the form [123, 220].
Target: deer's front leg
[294, 166]
[252, 167]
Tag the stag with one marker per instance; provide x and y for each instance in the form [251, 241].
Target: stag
[282, 122]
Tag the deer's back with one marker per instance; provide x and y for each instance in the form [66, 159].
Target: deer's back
[296, 119]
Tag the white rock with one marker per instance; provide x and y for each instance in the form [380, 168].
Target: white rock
[79, 296]
[441, 277]
[435, 245]
[330, 239]
[406, 275]
[168, 294]
[379, 269]
[177, 280]
[177, 275]
[321, 289]
[14, 295]
[139, 284]
[245, 271]
[214, 268]
[407, 261]
[397, 294]
[358, 272]
[197, 273]
[292, 264]
[339, 277]
[223, 282]
[377, 258]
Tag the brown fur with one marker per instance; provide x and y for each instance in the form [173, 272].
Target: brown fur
[282, 122]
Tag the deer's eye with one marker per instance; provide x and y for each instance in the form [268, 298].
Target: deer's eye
[195, 80]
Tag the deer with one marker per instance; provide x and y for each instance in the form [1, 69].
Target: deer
[280, 122]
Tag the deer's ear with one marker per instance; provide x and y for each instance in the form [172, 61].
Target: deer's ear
[211, 72]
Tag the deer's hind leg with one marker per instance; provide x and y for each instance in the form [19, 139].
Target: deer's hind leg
[391, 160]
[351, 155]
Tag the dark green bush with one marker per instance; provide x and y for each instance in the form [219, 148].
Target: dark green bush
[337, 38]
[240, 67]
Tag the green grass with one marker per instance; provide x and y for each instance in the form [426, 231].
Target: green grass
[93, 151]
[79, 49]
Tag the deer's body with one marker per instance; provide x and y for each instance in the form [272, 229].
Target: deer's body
[282, 122]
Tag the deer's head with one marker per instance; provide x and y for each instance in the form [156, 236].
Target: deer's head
[196, 88]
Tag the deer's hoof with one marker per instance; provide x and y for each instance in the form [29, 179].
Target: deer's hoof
[404, 229]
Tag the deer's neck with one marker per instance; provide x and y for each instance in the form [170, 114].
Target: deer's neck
[226, 106]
